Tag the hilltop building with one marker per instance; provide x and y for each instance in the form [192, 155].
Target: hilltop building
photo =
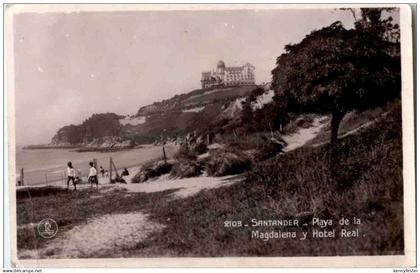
[228, 76]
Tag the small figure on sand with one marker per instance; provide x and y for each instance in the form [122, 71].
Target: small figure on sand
[93, 175]
[102, 171]
[125, 172]
[71, 175]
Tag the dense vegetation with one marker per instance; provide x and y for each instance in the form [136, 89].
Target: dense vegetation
[334, 70]
[365, 183]
[97, 126]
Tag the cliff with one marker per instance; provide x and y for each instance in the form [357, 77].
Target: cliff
[167, 119]
[94, 129]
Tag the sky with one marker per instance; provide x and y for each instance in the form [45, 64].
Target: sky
[71, 65]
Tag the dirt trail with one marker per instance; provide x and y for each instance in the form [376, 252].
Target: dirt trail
[111, 234]
[303, 135]
[99, 237]
[185, 186]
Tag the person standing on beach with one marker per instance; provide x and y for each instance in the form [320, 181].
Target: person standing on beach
[71, 175]
[93, 175]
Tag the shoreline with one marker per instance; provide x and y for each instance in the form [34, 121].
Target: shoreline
[82, 149]
[107, 149]
[134, 157]
[47, 146]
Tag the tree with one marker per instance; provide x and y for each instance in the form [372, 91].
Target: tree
[373, 19]
[334, 70]
[250, 119]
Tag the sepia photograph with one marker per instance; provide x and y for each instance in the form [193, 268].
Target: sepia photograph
[210, 131]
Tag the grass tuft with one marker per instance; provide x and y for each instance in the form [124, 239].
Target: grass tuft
[186, 168]
[226, 162]
[152, 169]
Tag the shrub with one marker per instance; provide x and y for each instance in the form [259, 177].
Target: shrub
[150, 170]
[186, 168]
[185, 153]
[254, 141]
[270, 148]
[200, 148]
[227, 162]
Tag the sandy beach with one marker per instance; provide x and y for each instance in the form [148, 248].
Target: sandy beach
[42, 165]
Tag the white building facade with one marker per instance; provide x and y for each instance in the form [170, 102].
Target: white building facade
[229, 76]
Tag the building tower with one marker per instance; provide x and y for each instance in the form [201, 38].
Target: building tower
[220, 72]
[221, 68]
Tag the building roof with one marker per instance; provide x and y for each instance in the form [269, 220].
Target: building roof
[221, 64]
[234, 68]
[248, 64]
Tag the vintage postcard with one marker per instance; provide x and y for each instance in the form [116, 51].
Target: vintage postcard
[210, 135]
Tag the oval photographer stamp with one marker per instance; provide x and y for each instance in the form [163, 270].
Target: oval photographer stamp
[47, 228]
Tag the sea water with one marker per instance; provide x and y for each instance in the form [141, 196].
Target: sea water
[42, 166]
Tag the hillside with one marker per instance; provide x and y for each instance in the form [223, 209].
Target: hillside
[313, 181]
[95, 127]
[195, 98]
[316, 181]
[166, 119]
[183, 113]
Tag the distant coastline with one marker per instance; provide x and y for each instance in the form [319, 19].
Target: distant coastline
[47, 146]
[81, 148]
[106, 149]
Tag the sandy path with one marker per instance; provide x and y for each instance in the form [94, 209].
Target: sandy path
[350, 132]
[357, 129]
[108, 235]
[102, 236]
[304, 135]
[185, 186]
[116, 232]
